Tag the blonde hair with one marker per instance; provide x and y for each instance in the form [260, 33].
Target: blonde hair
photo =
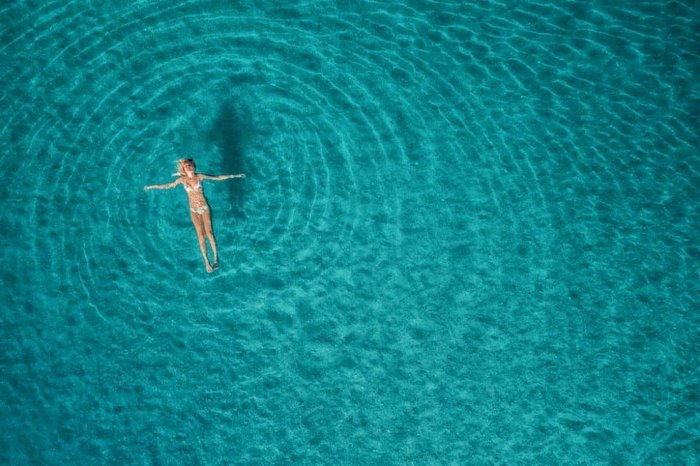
[180, 166]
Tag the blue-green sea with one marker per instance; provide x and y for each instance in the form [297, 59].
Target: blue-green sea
[468, 232]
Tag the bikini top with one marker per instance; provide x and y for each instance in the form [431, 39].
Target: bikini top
[194, 187]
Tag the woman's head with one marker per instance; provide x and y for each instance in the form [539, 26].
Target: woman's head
[184, 166]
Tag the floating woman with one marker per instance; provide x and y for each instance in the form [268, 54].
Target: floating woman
[199, 208]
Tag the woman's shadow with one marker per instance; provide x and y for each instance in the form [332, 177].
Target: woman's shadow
[229, 131]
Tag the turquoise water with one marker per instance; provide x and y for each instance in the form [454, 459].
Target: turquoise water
[468, 233]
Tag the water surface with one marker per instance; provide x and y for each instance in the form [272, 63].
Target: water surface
[468, 233]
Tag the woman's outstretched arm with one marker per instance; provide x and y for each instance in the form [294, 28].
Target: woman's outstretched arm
[163, 186]
[221, 177]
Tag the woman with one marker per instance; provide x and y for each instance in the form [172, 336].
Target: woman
[199, 209]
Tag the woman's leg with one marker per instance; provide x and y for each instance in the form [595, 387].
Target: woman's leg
[197, 221]
[206, 217]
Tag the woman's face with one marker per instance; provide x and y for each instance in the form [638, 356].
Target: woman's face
[189, 167]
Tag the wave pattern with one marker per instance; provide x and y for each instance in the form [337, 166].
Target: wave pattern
[467, 234]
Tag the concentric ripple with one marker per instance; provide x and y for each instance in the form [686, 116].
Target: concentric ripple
[467, 232]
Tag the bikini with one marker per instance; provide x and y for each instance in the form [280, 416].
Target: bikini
[197, 187]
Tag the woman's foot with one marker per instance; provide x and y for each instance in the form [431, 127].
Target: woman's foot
[209, 268]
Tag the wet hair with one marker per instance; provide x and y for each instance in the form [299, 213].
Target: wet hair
[181, 166]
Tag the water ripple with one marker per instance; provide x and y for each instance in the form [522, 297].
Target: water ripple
[445, 202]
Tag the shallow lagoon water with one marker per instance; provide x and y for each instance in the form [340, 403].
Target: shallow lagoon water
[468, 233]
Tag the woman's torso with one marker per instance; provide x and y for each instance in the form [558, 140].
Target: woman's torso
[193, 188]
